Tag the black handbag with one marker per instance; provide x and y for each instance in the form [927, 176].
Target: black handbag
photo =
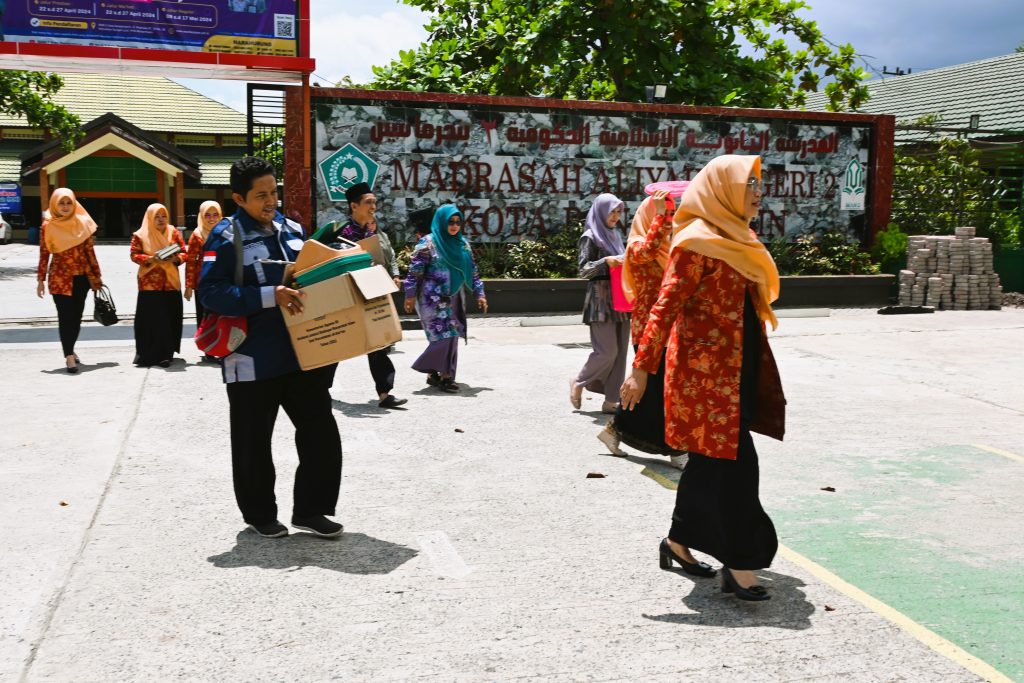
[104, 312]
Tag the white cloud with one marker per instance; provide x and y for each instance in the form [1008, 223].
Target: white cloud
[348, 43]
[345, 42]
[231, 93]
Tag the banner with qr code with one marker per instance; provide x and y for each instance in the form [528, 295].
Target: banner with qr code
[246, 27]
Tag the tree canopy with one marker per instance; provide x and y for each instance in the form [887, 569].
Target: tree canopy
[708, 52]
[30, 94]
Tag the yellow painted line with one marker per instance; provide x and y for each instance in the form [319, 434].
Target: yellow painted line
[929, 638]
[660, 478]
[999, 451]
[926, 636]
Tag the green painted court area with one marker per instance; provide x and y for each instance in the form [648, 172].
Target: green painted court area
[930, 533]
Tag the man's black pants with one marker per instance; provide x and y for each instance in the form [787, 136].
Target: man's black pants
[382, 370]
[306, 399]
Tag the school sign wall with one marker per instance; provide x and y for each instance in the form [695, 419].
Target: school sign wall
[521, 167]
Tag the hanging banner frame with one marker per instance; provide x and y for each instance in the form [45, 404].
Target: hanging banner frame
[53, 55]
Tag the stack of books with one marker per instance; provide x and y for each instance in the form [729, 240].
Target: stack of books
[168, 251]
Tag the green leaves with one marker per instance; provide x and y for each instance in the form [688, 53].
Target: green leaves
[942, 185]
[826, 253]
[607, 50]
[29, 94]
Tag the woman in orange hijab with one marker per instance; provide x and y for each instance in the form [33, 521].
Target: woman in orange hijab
[66, 250]
[650, 238]
[721, 381]
[158, 310]
[210, 215]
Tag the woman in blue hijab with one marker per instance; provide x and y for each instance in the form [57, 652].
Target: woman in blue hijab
[442, 272]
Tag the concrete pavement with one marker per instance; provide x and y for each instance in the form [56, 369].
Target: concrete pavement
[487, 554]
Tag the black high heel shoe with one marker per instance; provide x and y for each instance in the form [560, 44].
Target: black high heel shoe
[752, 594]
[667, 556]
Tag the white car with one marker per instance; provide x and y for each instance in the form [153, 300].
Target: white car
[6, 231]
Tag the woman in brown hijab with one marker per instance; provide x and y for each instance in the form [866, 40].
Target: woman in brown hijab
[158, 311]
[721, 381]
[66, 251]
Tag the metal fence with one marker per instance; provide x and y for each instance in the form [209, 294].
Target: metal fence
[266, 118]
[938, 186]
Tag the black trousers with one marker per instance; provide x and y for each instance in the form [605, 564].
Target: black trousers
[306, 399]
[200, 311]
[69, 312]
[382, 370]
[718, 510]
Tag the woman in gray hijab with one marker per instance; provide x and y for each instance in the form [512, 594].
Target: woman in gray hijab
[601, 249]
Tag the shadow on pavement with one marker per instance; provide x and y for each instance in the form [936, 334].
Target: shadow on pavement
[598, 417]
[788, 608]
[465, 391]
[82, 368]
[90, 332]
[15, 272]
[357, 410]
[177, 365]
[350, 554]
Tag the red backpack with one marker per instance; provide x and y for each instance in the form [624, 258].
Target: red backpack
[219, 335]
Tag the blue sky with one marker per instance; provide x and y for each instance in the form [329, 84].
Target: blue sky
[349, 37]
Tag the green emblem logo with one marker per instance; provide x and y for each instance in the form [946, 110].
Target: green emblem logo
[853, 189]
[346, 167]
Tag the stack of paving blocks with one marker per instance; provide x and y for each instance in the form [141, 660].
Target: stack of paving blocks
[951, 272]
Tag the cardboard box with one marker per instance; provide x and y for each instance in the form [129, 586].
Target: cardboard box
[344, 317]
[371, 245]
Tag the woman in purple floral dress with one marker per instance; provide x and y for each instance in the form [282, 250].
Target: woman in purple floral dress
[441, 273]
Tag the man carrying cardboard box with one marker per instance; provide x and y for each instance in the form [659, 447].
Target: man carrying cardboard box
[263, 374]
[362, 206]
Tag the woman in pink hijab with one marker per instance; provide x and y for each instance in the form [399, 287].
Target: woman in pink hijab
[643, 428]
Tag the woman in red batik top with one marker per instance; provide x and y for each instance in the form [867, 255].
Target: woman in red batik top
[66, 251]
[159, 309]
[210, 215]
[721, 381]
[643, 427]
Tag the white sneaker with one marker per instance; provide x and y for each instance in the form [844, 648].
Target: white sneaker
[678, 461]
[611, 441]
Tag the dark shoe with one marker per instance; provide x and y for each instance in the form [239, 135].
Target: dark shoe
[72, 369]
[270, 529]
[164, 363]
[752, 594]
[210, 359]
[449, 386]
[667, 556]
[434, 379]
[319, 525]
[392, 402]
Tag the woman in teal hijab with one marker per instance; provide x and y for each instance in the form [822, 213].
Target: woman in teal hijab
[452, 247]
[441, 273]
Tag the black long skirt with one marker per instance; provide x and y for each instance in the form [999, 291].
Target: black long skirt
[718, 510]
[157, 327]
[643, 428]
